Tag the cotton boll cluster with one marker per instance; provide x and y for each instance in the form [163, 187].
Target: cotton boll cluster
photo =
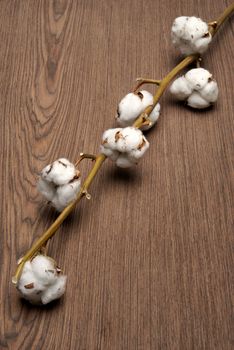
[59, 183]
[124, 146]
[132, 105]
[196, 87]
[41, 280]
[190, 35]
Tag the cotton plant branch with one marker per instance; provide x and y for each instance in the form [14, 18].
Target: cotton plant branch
[98, 160]
[215, 25]
[142, 81]
[48, 234]
[85, 156]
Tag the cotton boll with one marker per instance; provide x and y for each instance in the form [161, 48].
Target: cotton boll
[123, 161]
[201, 89]
[40, 281]
[54, 291]
[190, 35]
[47, 189]
[59, 172]
[196, 101]
[132, 105]
[121, 139]
[59, 183]
[198, 78]
[122, 143]
[180, 88]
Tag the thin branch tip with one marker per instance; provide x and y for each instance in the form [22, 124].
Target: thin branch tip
[85, 156]
[142, 81]
[14, 280]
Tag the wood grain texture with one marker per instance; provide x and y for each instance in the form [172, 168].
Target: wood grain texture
[149, 258]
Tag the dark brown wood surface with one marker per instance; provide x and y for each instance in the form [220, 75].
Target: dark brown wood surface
[148, 258]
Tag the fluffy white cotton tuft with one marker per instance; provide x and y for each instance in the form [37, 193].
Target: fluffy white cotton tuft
[65, 194]
[59, 172]
[132, 105]
[47, 189]
[197, 101]
[124, 146]
[181, 89]
[190, 35]
[55, 291]
[197, 88]
[123, 161]
[59, 183]
[41, 281]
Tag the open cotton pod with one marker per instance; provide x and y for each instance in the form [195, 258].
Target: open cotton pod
[41, 280]
[124, 146]
[132, 105]
[59, 183]
[197, 87]
[190, 35]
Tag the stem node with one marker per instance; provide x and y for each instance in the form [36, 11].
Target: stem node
[86, 194]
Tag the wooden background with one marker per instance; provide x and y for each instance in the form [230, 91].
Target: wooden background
[149, 258]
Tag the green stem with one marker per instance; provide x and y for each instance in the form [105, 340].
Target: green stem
[223, 17]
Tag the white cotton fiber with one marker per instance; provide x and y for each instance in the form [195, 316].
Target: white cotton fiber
[55, 291]
[40, 281]
[132, 105]
[129, 146]
[60, 183]
[59, 172]
[196, 87]
[190, 35]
